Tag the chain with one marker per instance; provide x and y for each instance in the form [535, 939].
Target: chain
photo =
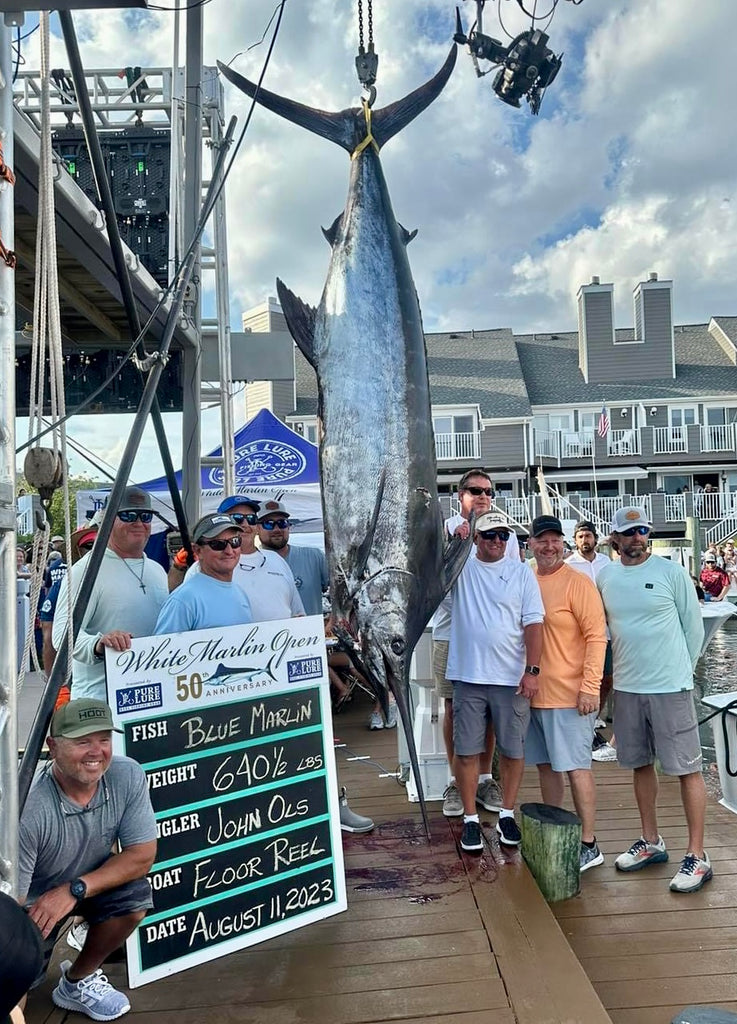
[370, 23]
[367, 61]
[361, 47]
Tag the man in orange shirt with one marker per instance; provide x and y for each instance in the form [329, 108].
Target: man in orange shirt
[565, 706]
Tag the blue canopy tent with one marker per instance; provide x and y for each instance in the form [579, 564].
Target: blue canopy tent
[271, 461]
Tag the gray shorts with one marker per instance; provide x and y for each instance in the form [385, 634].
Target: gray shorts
[443, 686]
[474, 704]
[561, 738]
[125, 899]
[662, 725]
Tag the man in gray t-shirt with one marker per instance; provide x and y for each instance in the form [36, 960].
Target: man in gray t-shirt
[81, 803]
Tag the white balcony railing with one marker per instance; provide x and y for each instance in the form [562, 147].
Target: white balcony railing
[718, 438]
[675, 507]
[670, 439]
[623, 442]
[576, 444]
[713, 504]
[457, 446]
[547, 444]
[604, 508]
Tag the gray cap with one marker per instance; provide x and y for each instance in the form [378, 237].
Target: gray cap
[133, 499]
[213, 524]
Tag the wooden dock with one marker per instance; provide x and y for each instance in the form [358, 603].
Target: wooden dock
[435, 936]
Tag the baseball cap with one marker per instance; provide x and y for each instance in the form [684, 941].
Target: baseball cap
[87, 537]
[270, 508]
[585, 524]
[545, 524]
[710, 557]
[81, 717]
[213, 524]
[234, 500]
[134, 498]
[629, 516]
[492, 521]
[57, 539]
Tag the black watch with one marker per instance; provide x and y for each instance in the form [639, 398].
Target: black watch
[78, 888]
[532, 670]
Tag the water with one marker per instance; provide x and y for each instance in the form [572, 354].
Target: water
[716, 672]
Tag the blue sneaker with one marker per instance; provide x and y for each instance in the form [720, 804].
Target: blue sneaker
[93, 995]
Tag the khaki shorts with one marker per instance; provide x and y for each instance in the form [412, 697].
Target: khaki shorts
[443, 686]
[475, 704]
[662, 725]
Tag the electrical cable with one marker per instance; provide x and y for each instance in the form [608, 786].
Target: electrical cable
[173, 10]
[532, 16]
[17, 52]
[175, 277]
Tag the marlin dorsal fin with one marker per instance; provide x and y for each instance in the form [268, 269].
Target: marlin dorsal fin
[406, 235]
[331, 233]
[300, 320]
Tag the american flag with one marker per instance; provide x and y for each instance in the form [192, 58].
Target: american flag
[602, 428]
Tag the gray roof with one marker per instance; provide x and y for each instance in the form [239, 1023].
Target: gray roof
[505, 375]
[550, 366]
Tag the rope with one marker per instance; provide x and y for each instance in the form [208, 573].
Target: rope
[47, 333]
[369, 140]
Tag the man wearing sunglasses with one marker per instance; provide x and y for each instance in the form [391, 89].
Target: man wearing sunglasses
[494, 662]
[126, 596]
[657, 634]
[209, 598]
[308, 564]
[81, 803]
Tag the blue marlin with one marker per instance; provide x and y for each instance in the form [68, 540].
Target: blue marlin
[389, 565]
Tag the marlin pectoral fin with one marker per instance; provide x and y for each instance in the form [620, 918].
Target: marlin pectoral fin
[454, 557]
[331, 233]
[364, 548]
[337, 127]
[300, 320]
[389, 120]
[406, 235]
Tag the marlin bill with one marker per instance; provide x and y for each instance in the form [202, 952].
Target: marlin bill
[389, 566]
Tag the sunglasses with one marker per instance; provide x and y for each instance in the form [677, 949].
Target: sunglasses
[641, 530]
[244, 517]
[128, 515]
[221, 545]
[476, 491]
[271, 524]
[494, 534]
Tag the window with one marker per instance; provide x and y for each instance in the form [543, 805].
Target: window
[456, 435]
[683, 417]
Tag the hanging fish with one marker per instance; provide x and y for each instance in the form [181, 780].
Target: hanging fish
[389, 566]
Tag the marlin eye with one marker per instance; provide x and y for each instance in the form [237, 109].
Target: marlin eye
[397, 645]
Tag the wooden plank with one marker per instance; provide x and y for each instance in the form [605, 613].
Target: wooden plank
[700, 940]
[643, 966]
[344, 929]
[497, 1016]
[665, 991]
[684, 920]
[660, 899]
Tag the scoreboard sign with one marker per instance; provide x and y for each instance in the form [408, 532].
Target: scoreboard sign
[233, 730]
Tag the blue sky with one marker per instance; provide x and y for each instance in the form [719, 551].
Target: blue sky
[629, 168]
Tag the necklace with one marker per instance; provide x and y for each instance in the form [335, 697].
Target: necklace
[141, 584]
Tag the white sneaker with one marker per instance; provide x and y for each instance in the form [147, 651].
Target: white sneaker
[391, 717]
[376, 721]
[600, 723]
[93, 995]
[77, 935]
[606, 752]
[692, 874]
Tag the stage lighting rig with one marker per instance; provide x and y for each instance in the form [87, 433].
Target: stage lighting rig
[526, 65]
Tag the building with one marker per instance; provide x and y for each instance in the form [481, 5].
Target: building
[612, 415]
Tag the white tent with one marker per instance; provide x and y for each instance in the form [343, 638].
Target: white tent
[271, 461]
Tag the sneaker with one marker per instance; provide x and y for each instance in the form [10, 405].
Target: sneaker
[391, 717]
[640, 854]
[452, 803]
[606, 752]
[489, 796]
[77, 934]
[349, 820]
[471, 837]
[591, 857]
[692, 874]
[376, 721]
[600, 723]
[93, 995]
[507, 829]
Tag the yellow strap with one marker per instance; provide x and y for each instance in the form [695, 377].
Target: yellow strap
[369, 140]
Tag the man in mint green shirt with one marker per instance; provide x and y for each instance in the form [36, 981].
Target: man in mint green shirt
[657, 632]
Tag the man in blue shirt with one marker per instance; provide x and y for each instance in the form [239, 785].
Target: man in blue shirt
[209, 599]
[657, 633]
[308, 565]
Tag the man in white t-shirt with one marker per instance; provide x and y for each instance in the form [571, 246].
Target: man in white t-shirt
[494, 662]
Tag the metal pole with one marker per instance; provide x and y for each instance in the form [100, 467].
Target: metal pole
[116, 248]
[191, 432]
[8, 656]
[227, 427]
[48, 698]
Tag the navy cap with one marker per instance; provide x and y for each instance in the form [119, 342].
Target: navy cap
[238, 499]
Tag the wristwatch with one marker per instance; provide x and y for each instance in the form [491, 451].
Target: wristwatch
[78, 888]
[532, 670]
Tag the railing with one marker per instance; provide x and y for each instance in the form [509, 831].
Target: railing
[547, 444]
[722, 530]
[675, 507]
[713, 504]
[669, 439]
[718, 438]
[577, 445]
[457, 446]
[623, 442]
[520, 510]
